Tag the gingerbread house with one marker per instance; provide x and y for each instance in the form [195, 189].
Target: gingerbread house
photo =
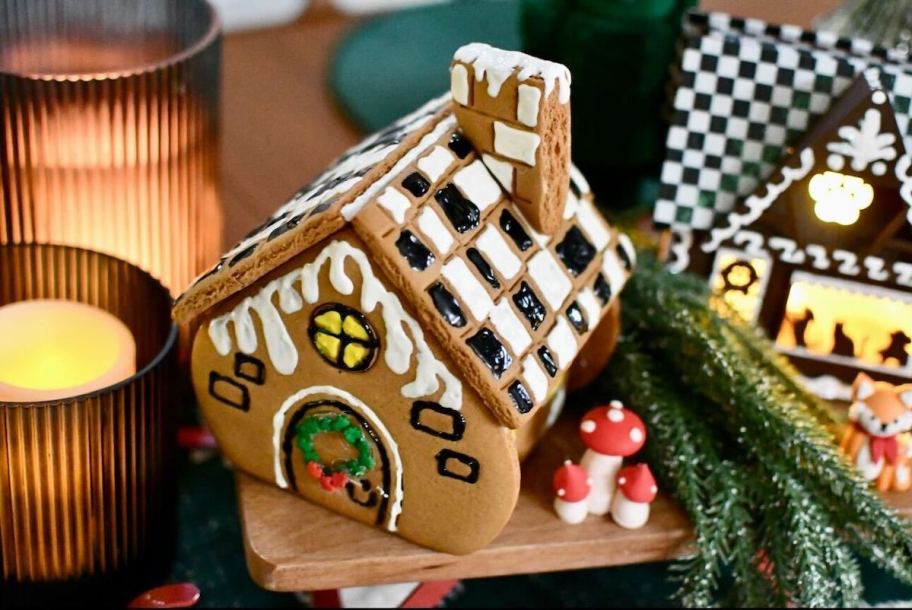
[818, 256]
[393, 338]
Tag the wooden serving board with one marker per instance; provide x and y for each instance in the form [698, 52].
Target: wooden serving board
[293, 545]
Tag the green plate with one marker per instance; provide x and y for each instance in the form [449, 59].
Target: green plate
[391, 65]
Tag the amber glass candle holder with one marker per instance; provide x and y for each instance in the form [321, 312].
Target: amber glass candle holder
[86, 482]
[109, 125]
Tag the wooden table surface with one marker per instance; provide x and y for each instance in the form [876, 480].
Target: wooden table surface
[281, 128]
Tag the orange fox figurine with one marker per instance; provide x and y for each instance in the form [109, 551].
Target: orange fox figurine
[877, 439]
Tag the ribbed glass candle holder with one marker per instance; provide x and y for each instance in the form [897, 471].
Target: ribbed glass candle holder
[86, 482]
[109, 124]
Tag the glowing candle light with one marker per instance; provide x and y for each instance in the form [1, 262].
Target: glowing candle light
[54, 349]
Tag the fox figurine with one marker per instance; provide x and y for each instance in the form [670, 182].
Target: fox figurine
[877, 439]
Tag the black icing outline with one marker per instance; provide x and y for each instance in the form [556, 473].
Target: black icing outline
[215, 378]
[372, 343]
[456, 418]
[258, 378]
[446, 455]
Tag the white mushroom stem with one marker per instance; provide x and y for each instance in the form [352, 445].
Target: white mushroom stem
[629, 514]
[602, 470]
[571, 512]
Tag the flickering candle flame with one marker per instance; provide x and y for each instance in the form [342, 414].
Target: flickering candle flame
[53, 349]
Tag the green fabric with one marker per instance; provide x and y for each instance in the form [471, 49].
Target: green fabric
[393, 64]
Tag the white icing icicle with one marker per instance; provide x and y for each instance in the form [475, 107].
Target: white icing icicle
[497, 66]
[399, 345]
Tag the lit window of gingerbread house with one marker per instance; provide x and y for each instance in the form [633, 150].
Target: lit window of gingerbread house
[387, 342]
[818, 255]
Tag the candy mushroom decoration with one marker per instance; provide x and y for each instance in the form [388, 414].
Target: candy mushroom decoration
[636, 490]
[610, 433]
[571, 488]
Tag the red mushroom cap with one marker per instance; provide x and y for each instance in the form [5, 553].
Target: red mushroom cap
[613, 430]
[571, 483]
[637, 484]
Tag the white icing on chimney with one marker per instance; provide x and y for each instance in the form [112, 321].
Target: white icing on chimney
[497, 66]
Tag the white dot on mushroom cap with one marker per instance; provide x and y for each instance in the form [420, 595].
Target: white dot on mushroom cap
[654, 489]
[636, 435]
[879, 97]
[622, 481]
[567, 462]
[588, 426]
[616, 404]
[561, 492]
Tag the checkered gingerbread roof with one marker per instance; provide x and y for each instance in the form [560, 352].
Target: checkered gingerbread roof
[747, 91]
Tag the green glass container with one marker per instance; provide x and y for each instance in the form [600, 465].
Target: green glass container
[620, 52]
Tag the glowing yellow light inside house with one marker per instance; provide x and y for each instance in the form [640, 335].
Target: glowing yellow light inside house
[740, 293]
[53, 349]
[840, 198]
[826, 320]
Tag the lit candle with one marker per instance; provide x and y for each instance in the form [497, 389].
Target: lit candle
[52, 349]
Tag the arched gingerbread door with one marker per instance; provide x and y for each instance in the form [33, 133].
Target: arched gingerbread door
[333, 449]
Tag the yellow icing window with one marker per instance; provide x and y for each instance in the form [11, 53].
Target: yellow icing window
[344, 337]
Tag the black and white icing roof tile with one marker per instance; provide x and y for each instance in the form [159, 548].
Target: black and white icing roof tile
[749, 89]
[504, 292]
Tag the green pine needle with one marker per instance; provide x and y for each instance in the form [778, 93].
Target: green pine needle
[748, 454]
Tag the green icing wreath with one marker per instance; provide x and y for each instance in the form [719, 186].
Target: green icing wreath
[314, 425]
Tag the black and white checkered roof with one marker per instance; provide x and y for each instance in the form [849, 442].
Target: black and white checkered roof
[747, 91]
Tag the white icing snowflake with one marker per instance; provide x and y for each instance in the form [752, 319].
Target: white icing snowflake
[865, 144]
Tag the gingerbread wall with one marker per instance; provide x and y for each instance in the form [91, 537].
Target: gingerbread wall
[448, 472]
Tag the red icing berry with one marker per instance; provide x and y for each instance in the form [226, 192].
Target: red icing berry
[571, 483]
[613, 430]
[637, 483]
[315, 470]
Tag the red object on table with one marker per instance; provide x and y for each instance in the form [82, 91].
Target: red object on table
[180, 595]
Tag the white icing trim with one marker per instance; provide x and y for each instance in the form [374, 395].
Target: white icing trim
[903, 273]
[614, 271]
[848, 262]
[527, 105]
[502, 170]
[496, 250]
[562, 342]
[278, 423]
[459, 84]
[579, 180]
[752, 242]
[535, 378]
[395, 203]
[351, 210]
[508, 326]
[790, 252]
[435, 164]
[515, 143]
[431, 225]
[866, 143]
[818, 253]
[627, 245]
[497, 66]
[904, 175]
[477, 184]
[468, 288]
[757, 204]
[282, 351]
[551, 280]
[571, 205]
[591, 306]
[875, 268]
[593, 225]
[679, 251]
[557, 407]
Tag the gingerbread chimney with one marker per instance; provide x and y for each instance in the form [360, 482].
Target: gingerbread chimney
[515, 109]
